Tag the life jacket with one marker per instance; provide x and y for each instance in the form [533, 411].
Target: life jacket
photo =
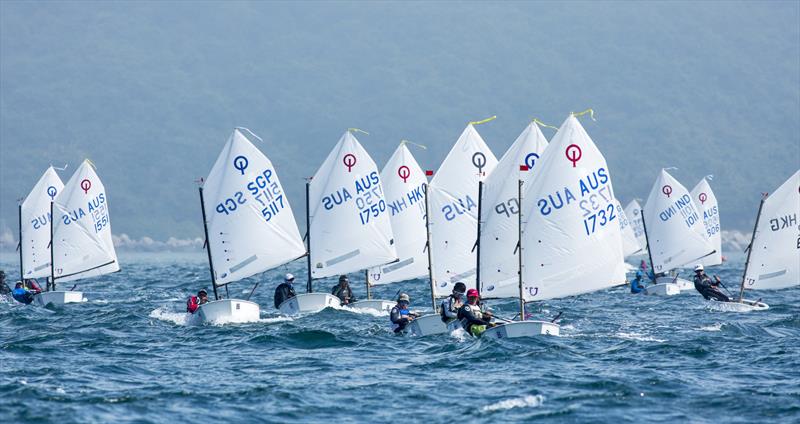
[192, 304]
[403, 313]
[446, 306]
[476, 312]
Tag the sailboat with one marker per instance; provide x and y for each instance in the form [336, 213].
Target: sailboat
[633, 212]
[348, 222]
[704, 198]
[34, 228]
[674, 233]
[500, 205]
[404, 183]
[571, 243]
[81, 245]
[248, 223]
[773, 257]
[452, 198]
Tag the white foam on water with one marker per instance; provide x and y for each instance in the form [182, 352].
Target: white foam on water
[715, 327]
[523, 402]
[638, 336]
[460, 334]
[163, 314]
[362, 311]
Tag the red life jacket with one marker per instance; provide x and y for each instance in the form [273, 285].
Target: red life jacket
[191, 304]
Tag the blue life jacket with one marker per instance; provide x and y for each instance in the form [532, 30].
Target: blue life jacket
[636, 286]
[22, 296]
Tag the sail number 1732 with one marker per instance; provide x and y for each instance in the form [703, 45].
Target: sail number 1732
[596, 215]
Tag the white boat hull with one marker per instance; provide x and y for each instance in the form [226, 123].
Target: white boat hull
[58, 298]
[517, 329]
[376, 304]
[229, 311]
[308, 303]
[683, 285]
[427, 325]
[662, 289]
[744, 306]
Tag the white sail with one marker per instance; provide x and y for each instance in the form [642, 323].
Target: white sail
[82, 245]
[500, 210]
[350, 227]
[35, 243]
[571, 242]
[630, 244]
[674, 225]
[453, 203]
[404, 183]
[634, 214]
[251, 227]
[775, 258]
[706, 202]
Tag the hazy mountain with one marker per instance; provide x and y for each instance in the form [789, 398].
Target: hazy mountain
[150, 91]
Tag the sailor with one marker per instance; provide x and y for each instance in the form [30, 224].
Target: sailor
[400, 315]
[343, 291]
[472, 318]
[21, 294]
[203, 296]
[285, 290]
[709, 289]
[454, 302]
[637, 284]
[4, 289]
[194, 302]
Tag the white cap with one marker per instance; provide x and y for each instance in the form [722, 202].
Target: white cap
[288, 277]
[698, 267]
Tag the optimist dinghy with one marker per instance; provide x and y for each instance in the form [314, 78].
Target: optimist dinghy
[773, 257]
[674, 233]
[452, 221]
[571, 243]
[348, 217]
[35, 220]
[80, 236]
[633, 213]
[249, 227]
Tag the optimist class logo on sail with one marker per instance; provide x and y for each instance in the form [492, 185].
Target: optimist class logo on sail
[591, 193]
[262, 191]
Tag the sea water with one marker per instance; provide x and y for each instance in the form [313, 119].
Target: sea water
[129, 354]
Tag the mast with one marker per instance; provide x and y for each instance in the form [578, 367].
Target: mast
[478, 241]
[366, 278]
[52, 284]
[428, 243]
[750, 249]
[309, 286]
[21, 270]
[208, 245]
[647, 244]
[519, 248]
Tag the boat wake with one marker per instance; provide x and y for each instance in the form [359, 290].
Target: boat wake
[523, 402]
[183, 318]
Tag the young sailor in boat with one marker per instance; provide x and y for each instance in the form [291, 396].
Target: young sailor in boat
[343, 291]
[454, 302]
[472, 318]
[637, 284]
[709, 289]
[194, 302]
[21, 294]
[400, 315]
[4, 289]
[285, 290]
